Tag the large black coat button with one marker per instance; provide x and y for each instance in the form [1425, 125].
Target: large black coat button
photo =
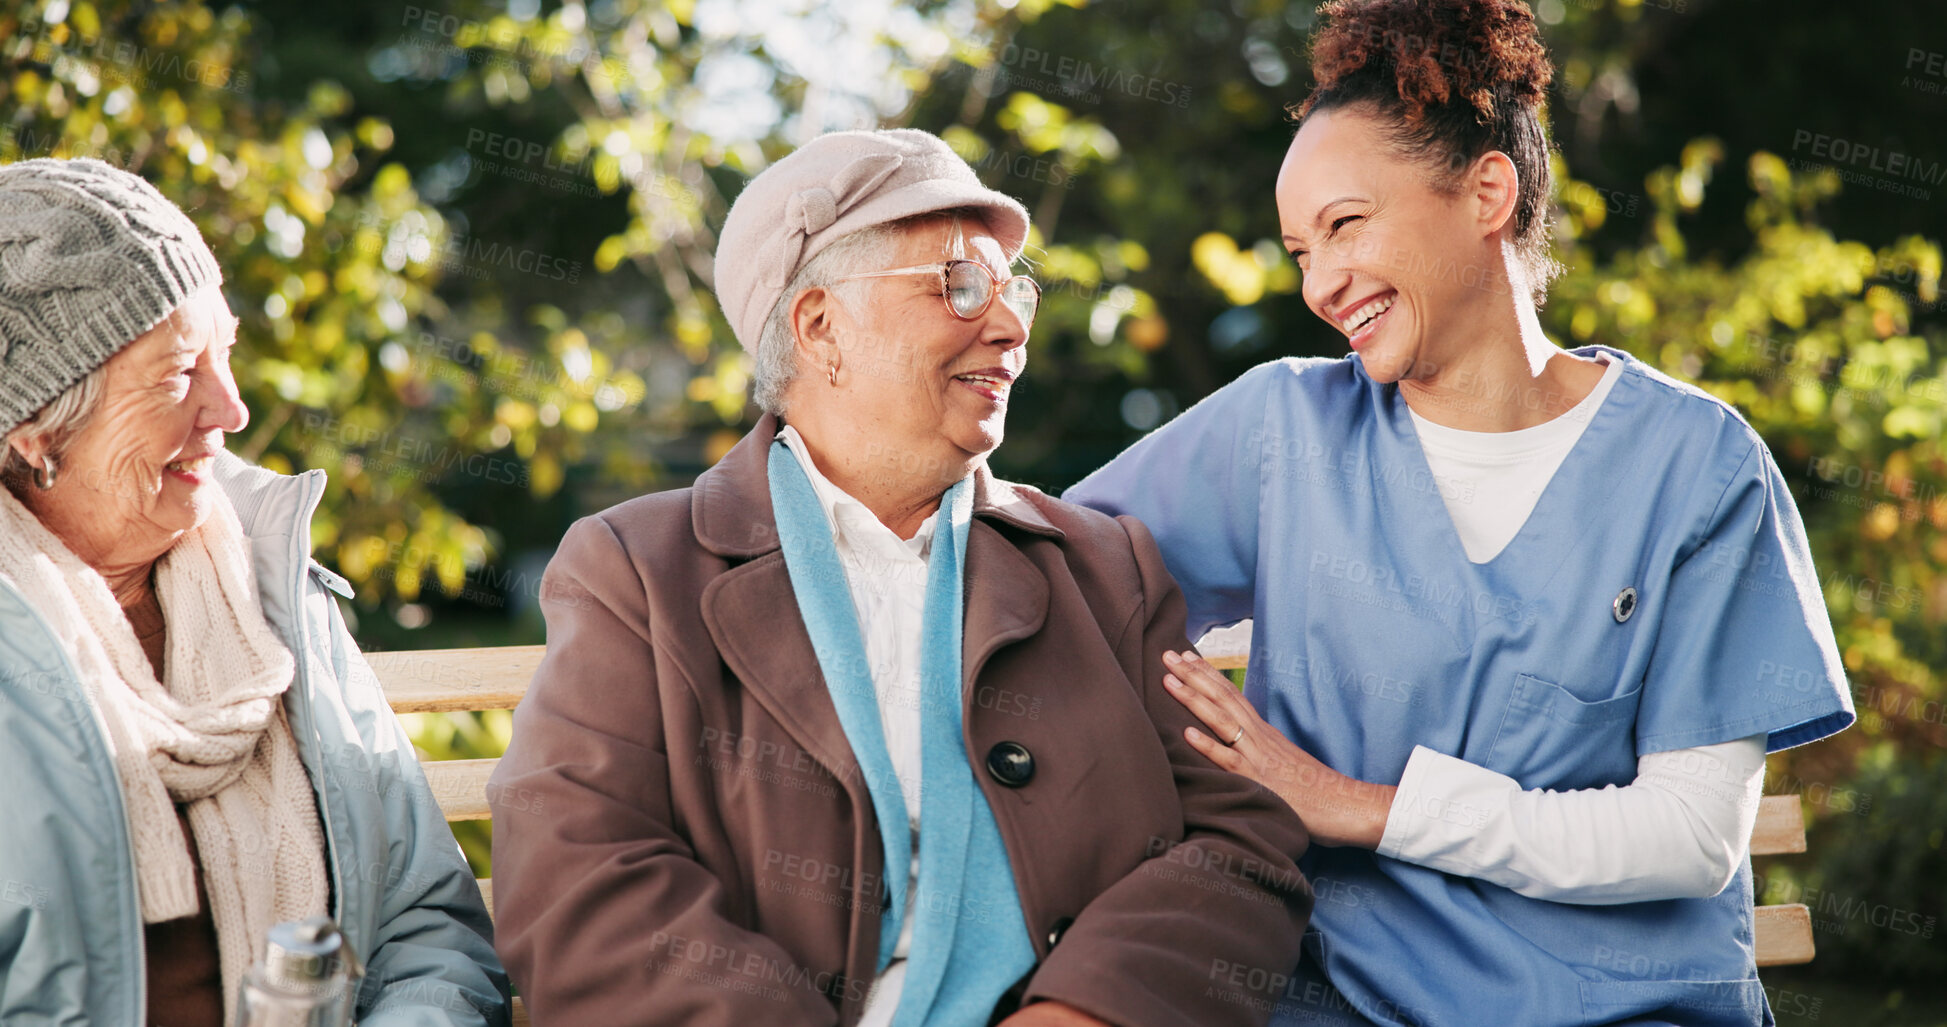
[1011, 764]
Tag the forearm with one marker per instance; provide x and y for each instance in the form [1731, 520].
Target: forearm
[603, 912]
[1679, 830]
[431, 970]
[1135, 958]
[1338, 810]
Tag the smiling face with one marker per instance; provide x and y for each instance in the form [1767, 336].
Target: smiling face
[1395, 264]
[138, 475]
[919, 392]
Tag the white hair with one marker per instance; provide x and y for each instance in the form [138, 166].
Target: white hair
[868, 249]
[56, 424]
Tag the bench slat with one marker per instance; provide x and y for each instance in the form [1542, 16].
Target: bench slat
[1226, 648]
[520, 1013]
[1784, 935]
[1781, 826]
[1226, 661]
[460, 786]
[448, 680]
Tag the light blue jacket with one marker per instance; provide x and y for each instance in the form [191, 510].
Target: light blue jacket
[71, 949]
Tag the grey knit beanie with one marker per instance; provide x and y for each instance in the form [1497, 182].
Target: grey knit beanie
[91, 257]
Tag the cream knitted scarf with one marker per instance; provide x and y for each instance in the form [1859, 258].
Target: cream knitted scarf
[213, 736]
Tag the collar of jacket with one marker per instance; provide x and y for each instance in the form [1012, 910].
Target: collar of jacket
[268, 503]
[275, 511]
[730, 503]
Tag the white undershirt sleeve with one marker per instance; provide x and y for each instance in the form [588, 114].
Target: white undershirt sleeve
[1680, 830]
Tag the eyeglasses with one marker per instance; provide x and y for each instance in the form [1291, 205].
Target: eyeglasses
[969, 288]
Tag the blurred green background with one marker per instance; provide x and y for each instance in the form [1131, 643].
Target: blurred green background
[470, 244]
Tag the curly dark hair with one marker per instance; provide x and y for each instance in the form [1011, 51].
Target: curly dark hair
[1455, 79]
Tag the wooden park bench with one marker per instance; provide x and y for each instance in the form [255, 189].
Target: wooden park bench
[457, 680]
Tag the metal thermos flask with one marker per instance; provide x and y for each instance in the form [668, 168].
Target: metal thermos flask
[308, 978]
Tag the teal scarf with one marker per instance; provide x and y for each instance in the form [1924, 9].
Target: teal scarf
[970, 943]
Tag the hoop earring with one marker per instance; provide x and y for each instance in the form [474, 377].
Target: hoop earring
[831, 373]
[44, 474]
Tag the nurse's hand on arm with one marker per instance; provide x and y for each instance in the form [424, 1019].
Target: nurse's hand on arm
[1681, 829]
[1338, 810]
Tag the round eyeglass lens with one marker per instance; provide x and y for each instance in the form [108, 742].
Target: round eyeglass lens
[1023, 297]
[968, 285]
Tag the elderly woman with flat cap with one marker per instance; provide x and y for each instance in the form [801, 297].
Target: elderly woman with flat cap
[193, 748]
[851, 731]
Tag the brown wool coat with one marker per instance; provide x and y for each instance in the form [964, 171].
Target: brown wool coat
[682, 835]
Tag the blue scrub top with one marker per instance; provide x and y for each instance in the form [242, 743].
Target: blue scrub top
[1299, 496]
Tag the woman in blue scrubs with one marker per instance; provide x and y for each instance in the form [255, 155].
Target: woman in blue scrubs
[1526, 619]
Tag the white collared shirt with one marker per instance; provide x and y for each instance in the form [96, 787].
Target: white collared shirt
[887, 578]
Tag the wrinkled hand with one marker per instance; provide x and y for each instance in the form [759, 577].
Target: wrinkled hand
[1336, 809]
[1052, 1014]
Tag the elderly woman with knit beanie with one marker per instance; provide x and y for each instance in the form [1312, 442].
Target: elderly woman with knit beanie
[193, 748]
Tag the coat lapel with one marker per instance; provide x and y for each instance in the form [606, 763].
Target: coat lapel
[752, 613]
[1007, 595]
[753, 619]
[1007, 600]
